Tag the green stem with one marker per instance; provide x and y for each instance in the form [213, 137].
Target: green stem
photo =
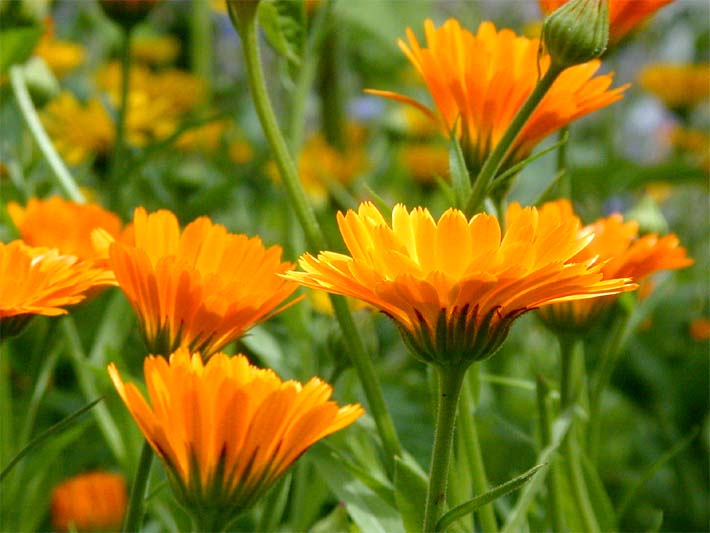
[580, 494]
[450, 381]
[494, 161]
[608, 361]
[201, 42]
[554, 493]
[29, 113]
[564, 183]
[134, 513]
[306, 217]
[467, 427]
[330, 89]
[119, 147]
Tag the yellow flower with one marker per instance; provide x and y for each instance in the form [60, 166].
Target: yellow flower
[695, 142]
[155, 49]
[60, 56]
[425, 160]
[226, 430]
[678, 86]
[478, 83]
[454, 287]
[623, 254]
[62, 224]
[200, 288]
[624, 15]
[95, 501]
[78, 130]
[240, 151]
[205, 138]
[39, 281]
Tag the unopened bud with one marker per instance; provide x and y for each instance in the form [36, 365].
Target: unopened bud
[577, 32]
[241, 11]
[128, 13]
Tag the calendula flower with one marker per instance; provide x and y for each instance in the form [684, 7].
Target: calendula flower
[226, 430]
[700, 329]
[39, 281]
[155, 50]
[454, 287]
[680, 87]
[95, 501]
[205, 138]
[479, 82]
[199, 288]
[624, 15]
[63, 224]
[78, 130]
[695, 143]
[60, 56]
[425, 160]
[623, 254]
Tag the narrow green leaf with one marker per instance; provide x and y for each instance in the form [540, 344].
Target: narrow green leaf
[379, 202]
[283, 22]
[17, 44]
[517, 515]
[603, 508]
[657, 521]
[410, 486]
[487, 497]
[39, 439]
[649, 472]
[460, 179]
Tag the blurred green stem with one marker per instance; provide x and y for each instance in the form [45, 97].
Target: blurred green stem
[119, 146]
[201, 42]
[330, 88]
[450, 382]
[29, 113]
[554, 494]
[467, 427]
[493, 162]
[134, 513]
[564, 183]
[247, 28]
[569, 346]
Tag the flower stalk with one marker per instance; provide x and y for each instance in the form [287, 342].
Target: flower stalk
[247, 27]
[450, 382]
[484, 180]
[119, 146]
[134, 513]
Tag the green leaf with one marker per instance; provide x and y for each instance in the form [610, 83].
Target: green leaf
[410, 487]
[17, 44]
[487, 497]
[283, 22]
[368, 510]
[603, 508]
[460, 179]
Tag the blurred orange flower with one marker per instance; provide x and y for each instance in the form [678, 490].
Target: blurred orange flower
[679, 87]
[623, 254]
[454, 287]
[39, 281]
[478, 83]
[226, 430]
[624, 15]
[199, 288]
[94, 501]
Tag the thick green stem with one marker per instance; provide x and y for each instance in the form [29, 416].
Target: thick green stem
[330, 89]
[134, 513]
[554, 493]
[29, 113]
[119, 146]
[580, 494]
[494, 161]
[450, 381]
[467, 427]
[306, 217]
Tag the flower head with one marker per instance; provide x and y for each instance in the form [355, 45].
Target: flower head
[624, 15]
[95, 501]
[454, 287]
[63, 224]
[623, 254]
[39, 281]
[60, 56]
[479, 82]
[199, 288]
[226, 430]
[679, 87]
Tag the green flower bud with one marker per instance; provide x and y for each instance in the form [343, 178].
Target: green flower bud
[241, 11]
[577, 32]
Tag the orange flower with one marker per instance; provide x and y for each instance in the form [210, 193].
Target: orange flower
[624, 255]
[700, 329]
[38, 281]
[89, 502]
[454, 287]
[478, 83]
[62, 224]
[624, 15]
[226, 430]
[200, 288]
[679, 86]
